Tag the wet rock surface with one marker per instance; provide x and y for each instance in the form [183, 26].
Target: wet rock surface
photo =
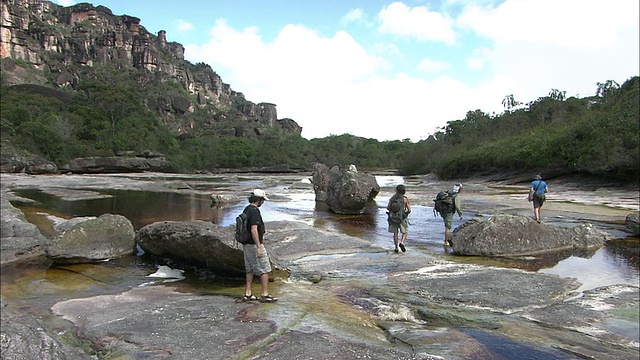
[517, 235]
[343, 188]
[349, 298]
[106, 237]
[197, 243]
[21, 240]
[632, 221]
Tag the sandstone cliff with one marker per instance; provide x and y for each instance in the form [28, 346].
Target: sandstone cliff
[46, 44]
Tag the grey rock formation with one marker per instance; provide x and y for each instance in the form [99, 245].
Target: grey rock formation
[14, 161]
[61, 46]
[632, 222]
[21, 240]
[25, 337]
[344, 189]
[516, 235]
[108, 236]
[196, 243]
[117, 164]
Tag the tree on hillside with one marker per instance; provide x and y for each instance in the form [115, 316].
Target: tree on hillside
[556, 94]
[509, 102]
[606, 88]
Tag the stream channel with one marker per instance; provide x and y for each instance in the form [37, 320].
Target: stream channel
[293, 199]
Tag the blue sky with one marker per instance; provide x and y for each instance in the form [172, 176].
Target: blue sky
[395, 70]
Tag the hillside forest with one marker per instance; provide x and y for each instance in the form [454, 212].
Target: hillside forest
[596, 135]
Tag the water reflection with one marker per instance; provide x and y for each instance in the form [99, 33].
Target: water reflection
[616, 263]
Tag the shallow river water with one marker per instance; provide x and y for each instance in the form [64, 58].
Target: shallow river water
[293, 199]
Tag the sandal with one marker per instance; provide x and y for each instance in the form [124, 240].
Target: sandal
[402, 247]
[268, 299]
[249, 298]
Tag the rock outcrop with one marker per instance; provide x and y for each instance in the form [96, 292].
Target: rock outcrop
[632, 222]
[25, 337]
[21, 240]
[194, 243]
[119, 164]
[518, 235]
[106, 237]
[46, 44]
[14, 161]
[344, 189]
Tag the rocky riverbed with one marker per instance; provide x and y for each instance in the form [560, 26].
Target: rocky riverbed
[346, 297]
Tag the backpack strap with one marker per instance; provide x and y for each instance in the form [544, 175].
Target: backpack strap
[535, 189]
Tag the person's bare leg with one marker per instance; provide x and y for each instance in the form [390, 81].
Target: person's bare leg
[264, 284]
[447, 236]
[395, 240]
[404, 238]
[248, 282]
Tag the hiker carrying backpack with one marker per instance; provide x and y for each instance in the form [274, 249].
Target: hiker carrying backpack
[444, 203]
[399, 208]
[447, 203]
[396, 209]
[243, 234]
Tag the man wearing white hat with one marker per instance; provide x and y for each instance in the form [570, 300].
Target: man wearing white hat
[448, 217]
[256, 259]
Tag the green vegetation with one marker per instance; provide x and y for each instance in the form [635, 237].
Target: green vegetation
[595, 135]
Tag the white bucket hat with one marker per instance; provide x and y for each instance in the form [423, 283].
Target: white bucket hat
[260, 193]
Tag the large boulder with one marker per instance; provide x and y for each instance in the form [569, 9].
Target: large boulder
[632, 222]
[105, 237]
[21, 240]
[196, 243]
[517, 235]
[343, 188]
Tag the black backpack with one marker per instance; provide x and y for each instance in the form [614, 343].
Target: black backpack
[243, 234]
[443, 203]
[396, 210]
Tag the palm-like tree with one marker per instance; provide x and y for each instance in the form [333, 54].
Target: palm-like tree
[606, 88]
[556, 94]
[509, 102]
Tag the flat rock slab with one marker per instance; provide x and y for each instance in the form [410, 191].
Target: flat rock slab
[158, 322]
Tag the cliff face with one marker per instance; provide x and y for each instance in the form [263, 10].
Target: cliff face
[47, 44]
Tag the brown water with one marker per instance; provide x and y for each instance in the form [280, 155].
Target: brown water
[618, 262]
[36, 289]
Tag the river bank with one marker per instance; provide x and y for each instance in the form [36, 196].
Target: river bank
[349, 297]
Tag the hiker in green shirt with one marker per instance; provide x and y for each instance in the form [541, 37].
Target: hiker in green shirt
[448, 217]
[398, 210]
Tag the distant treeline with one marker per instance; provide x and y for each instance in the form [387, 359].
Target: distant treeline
[596, 135]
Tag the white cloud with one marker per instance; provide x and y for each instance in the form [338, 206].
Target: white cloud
[568, 23]
[183, 26]
[479, 57]
[357, 16]
[417, 22]
[569, 45]
[333, 85]
[430, 66]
